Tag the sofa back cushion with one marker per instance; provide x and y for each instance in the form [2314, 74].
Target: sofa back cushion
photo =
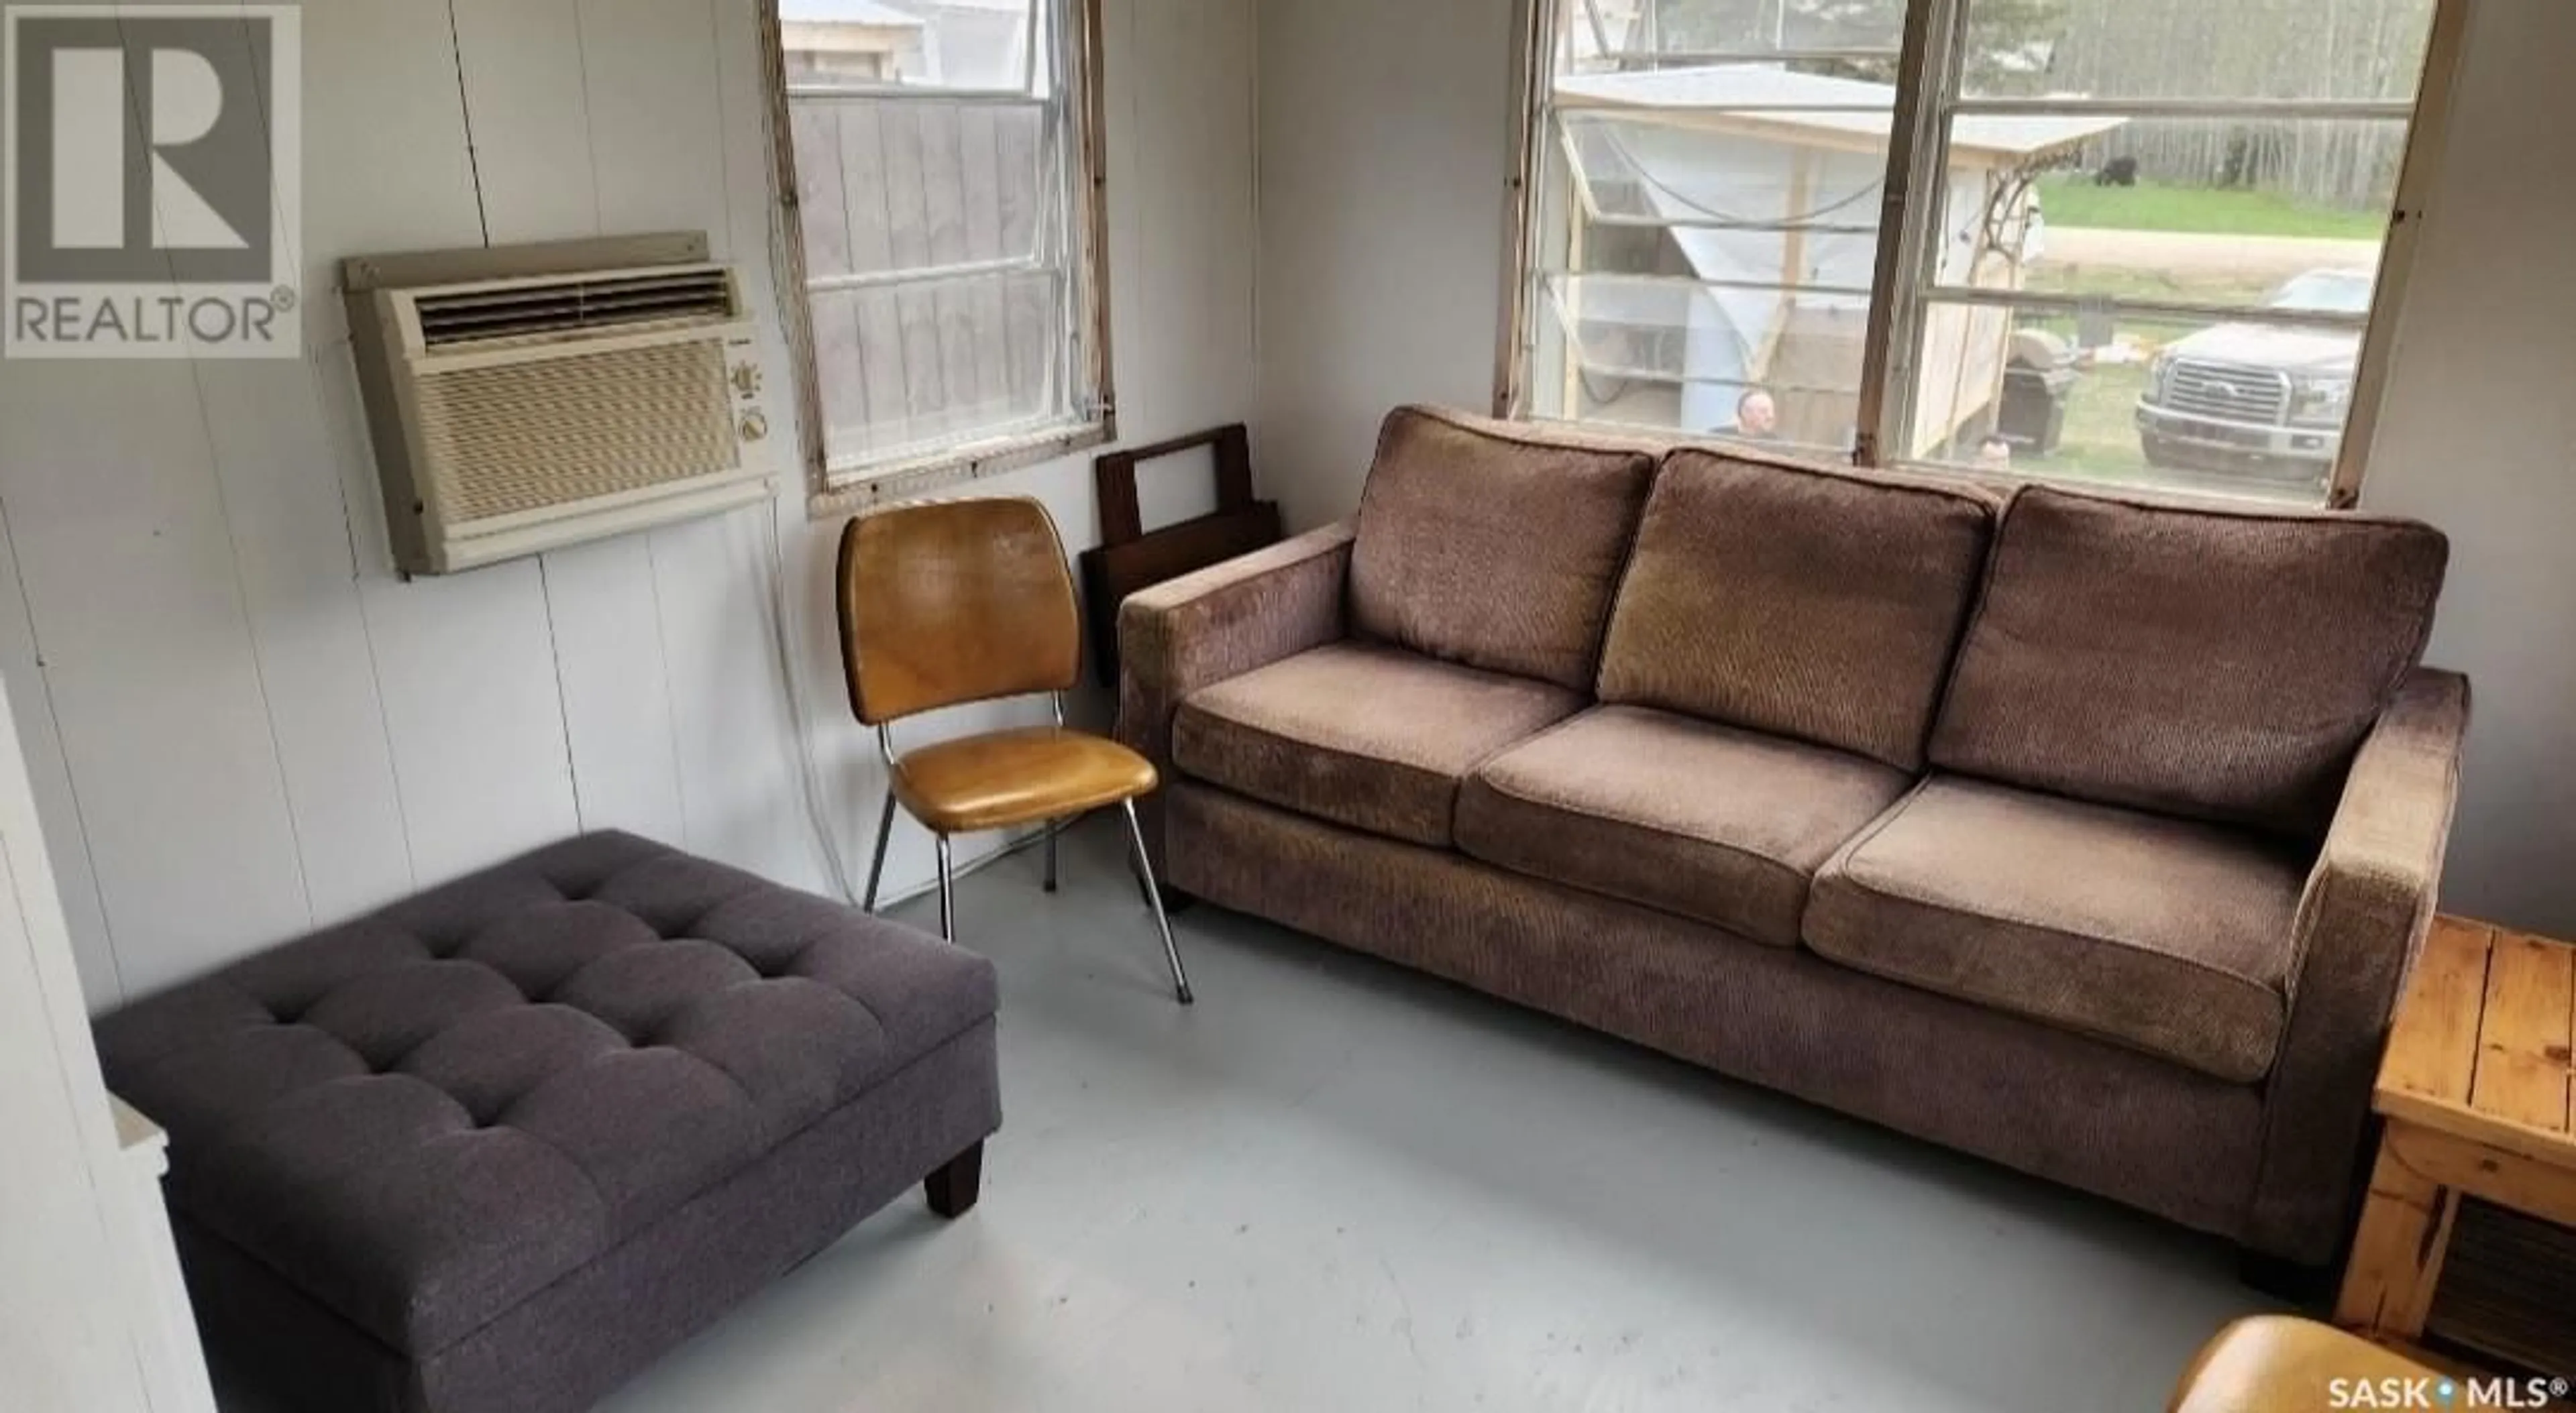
[2217, 664]
[1797, 601]
[1494, 544]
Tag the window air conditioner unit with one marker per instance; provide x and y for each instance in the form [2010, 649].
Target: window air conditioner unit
[530, 397]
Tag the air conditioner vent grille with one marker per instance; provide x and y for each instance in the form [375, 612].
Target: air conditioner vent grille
[582, 304]
[535, 436]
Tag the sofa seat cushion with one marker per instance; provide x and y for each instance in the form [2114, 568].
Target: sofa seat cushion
[1495, 544]
[1712, 822]
[2169, 936]
[1803, 602]
[424, 1117]
[1361, 734]
[2221, 664]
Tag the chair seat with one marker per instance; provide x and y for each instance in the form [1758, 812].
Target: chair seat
[2277, 1364]
[1708, 821]
[2164, 935]
[1009, 778]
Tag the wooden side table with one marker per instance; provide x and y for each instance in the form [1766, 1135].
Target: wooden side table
[2476, 1091]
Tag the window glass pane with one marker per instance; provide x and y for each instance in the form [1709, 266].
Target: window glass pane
[2221, 212]
[2108, 158]
[1644, 171]
[2315, 50]
[2213, 176]
[940, 211]
[904, 369]
[912, 44]
[1765, 364]
[889, 184]
[2243, 407]
[1706, 240]
[1863, 35]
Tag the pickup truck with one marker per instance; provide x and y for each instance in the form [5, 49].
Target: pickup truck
[2264, 399]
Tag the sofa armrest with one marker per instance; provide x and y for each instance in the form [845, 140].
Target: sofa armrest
[1223, 621]
[2360, 924]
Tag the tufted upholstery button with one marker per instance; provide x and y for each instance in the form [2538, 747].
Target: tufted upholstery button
[387, 1014]
[424, 1116]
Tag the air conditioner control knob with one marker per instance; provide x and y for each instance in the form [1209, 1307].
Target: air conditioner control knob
[746, 379]
[755, 425]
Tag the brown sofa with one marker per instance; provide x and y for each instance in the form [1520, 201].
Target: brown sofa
[2092, 837]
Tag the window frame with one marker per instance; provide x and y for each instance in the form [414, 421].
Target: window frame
[836, 490]
[1903, 287]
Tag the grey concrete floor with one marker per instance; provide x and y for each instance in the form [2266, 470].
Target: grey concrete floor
[1336, 1185]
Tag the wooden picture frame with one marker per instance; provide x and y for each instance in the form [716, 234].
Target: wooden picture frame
[1131, 557]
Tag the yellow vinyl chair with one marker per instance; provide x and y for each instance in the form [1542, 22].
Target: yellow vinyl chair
[959, 601]
[2282, 1364]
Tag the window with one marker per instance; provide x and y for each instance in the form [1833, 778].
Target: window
[943, 221]
[2135, 242]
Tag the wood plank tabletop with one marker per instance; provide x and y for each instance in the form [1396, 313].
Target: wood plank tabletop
[2482, 1044]
[2523, 1047]
[2433, 1047]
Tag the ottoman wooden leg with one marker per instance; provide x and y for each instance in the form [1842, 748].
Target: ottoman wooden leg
[954, 1185]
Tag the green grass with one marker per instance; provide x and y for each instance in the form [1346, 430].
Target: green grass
[2101, 437]
[2121, 282]
[2074, 201]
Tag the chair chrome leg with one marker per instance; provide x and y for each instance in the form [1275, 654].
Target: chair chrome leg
[947, 894]
[876, 865]
[1154, 895]
[1051, 827]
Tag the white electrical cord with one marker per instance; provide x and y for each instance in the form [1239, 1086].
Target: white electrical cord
[809, 771]
[782, 615]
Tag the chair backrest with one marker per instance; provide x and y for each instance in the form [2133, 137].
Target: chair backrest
[954, 601]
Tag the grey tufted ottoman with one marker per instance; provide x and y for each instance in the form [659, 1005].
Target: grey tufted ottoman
[495, 1148]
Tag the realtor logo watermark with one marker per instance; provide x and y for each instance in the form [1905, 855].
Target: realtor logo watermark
[2445, 1395]
[153, 181]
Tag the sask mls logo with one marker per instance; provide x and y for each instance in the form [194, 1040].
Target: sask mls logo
[2444, 1395]
[153, 183]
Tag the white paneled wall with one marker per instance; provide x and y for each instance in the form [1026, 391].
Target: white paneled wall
[2478, 435]
[240, 723]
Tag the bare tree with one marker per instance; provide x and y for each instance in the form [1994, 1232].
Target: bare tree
[2008, 48]
[2278, 49]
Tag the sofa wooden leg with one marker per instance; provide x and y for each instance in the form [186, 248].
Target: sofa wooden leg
[954, 1185]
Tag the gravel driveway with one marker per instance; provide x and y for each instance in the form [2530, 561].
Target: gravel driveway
[2258, 257]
